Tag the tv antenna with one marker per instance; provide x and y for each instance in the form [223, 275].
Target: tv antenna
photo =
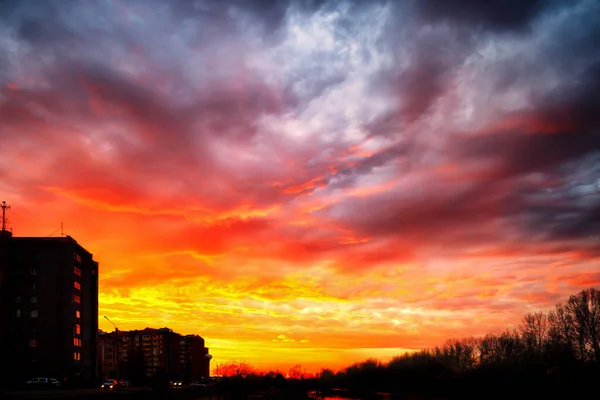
[4, 207]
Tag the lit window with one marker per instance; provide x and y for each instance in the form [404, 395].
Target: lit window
[76, 356]
[76, 299]
[33, 313]
[33, 299]
[77, 257]
[33, 343]
[77, 285]
[77, 271]
[77, 329]
[77, 342]
[18, 313]
[77, 314]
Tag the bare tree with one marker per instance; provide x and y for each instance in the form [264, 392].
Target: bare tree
[584, 309]
[534, 331]
[505, 348]
[296, 372]
[460, 353]
[233, 368]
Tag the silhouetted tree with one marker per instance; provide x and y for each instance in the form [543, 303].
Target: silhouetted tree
[295, 372]
[460, 354]
[584, 309]
[233, 368]
[551, 354]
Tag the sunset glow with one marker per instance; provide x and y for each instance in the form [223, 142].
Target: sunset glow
[309, 183]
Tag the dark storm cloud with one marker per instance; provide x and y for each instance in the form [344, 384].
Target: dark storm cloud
[495, 15]
[268, 14]
[39, 31]
[553, 139]
[564, 203]
[520, 152]
[565, 127]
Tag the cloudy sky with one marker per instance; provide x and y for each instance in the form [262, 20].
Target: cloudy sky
[311, 182]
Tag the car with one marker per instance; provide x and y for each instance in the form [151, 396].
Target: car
[198, 384]
[176, 383]
[42, 382]
[109, 385]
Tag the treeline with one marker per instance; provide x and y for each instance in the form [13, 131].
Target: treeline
[550, 355]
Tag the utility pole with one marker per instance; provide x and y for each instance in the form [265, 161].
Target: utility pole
[4, 207]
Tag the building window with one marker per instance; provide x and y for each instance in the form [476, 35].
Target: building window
[33, 284]
[77, 285]
[17, 299]
[34, 358]
[33, 299]
[76, 299]
[77, 257]
[76, 271]
[33, 313]
[77, 342]
[77, 329]
[76, 356]
[77, 314]
[18, 313]
[33, 271]
[33, 343]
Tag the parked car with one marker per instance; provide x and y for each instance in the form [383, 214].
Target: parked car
[109, 385]
[176, 383]
[124, 383]
[43, 383]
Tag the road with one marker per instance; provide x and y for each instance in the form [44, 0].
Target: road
[66, 394]
[99, 394]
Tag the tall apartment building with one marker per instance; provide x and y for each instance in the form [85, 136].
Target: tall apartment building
[107, 353]
[182, 357]
[49, 309]
[194, 364]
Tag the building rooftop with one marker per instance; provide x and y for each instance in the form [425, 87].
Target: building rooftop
[49, 239]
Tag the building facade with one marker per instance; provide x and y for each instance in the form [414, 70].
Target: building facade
[107, 353]
[182, 357]
[49, 309]
[194, 364]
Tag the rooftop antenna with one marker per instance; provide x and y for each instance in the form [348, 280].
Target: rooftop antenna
[4, 207]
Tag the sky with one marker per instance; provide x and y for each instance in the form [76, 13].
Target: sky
[310, 182]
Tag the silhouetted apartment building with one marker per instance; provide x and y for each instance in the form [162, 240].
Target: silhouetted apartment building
[159, 346]
[182, 357]
[49, 308]
[106, 354]
[194, 364]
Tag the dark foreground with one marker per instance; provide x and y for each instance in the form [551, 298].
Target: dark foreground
[98, 394]
[195, 394]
